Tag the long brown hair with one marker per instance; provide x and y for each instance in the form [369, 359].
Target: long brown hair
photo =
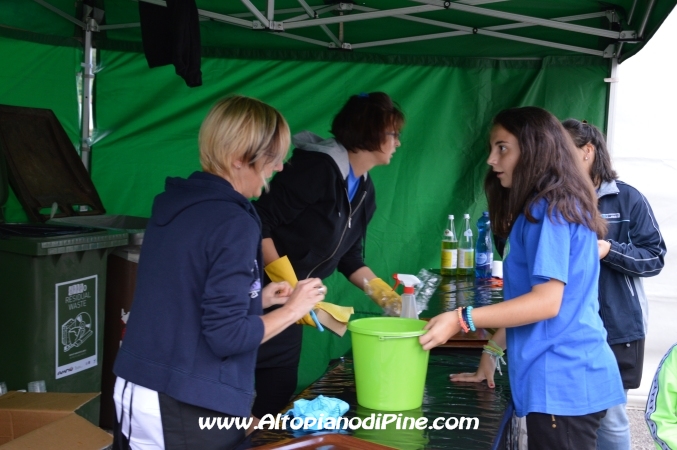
[547, 169]
[585, 133]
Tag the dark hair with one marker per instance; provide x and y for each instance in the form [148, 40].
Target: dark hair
[584, 133]
[364, 120]
[547, 169]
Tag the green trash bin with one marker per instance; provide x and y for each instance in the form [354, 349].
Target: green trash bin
[121, 273]
[53, 281]
[38, 270]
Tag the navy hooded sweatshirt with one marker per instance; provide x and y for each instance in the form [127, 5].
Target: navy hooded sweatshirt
[195, 326]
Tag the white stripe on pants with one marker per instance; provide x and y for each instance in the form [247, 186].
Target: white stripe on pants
[146, 420]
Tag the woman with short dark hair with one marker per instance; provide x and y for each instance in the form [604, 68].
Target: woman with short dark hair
[316, 213]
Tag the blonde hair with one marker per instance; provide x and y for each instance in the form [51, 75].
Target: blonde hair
[244, 128]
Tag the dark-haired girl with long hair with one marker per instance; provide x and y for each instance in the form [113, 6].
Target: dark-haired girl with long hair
[633, 248]
[563, 375]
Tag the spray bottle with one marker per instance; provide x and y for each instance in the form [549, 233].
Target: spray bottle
[408, 298]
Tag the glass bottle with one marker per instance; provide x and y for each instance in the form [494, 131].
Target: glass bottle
[449, 249]
[466, 250]
[484, 249]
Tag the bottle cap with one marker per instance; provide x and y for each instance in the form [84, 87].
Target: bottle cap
[451, 216]
[485, 213]
[466, 216]
[409, 289]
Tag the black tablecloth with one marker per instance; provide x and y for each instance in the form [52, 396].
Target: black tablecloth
[442, 398]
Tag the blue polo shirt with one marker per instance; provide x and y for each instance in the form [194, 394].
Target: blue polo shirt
[353, 184]
[563, 365]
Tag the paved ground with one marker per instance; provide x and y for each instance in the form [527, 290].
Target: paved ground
[641, 439]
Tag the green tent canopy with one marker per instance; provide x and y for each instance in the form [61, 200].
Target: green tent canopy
[450, 65]
[398, 31]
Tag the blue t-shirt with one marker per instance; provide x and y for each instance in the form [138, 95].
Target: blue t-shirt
[353, 183]
[563, 365]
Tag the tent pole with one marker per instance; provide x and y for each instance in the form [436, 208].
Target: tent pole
[611, 113]
[645, 19]
[640, 32]
[87, 83]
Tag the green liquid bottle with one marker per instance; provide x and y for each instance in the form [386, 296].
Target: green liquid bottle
[449, 250]
[466, 251]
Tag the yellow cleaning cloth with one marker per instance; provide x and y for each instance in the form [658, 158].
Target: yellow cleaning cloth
[334, 317]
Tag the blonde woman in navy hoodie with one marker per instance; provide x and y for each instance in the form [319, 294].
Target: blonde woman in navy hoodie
[197, 319]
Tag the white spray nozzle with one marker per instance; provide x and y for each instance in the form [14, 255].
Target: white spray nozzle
[406, 279]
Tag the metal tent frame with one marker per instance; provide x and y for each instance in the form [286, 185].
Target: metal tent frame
[320, 16]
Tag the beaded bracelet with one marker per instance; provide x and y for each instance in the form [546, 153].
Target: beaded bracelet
[468, 318]
[464, 327]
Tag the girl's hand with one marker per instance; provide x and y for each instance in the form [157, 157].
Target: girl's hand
[440, 329]
[485, 371]
[275, 294]
[603, 247]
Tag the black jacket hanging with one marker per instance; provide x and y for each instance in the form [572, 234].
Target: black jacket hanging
[171, 35]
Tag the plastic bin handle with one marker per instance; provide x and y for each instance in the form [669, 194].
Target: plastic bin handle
[385, 338]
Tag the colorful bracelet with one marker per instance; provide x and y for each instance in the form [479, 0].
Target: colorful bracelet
[497, 347]
[495, 356]
[468, 318]
[464, 327]
[493, 351]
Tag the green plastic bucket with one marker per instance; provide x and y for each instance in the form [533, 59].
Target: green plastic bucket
[390, 364]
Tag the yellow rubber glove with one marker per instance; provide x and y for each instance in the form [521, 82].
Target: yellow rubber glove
[384, 296]
[281, 270]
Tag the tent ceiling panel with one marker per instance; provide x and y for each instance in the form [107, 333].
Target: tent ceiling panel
[411, 28]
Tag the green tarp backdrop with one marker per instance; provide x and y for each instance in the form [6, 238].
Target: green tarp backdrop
[146, 121]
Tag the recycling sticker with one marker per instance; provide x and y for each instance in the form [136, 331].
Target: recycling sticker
[76, 326]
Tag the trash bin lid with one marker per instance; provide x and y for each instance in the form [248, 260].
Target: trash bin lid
[135, 226]
[39, 230]
[43, 239]
[43, 166]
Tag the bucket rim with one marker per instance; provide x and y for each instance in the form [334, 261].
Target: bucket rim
[354, 327]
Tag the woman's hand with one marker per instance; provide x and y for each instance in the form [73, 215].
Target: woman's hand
[275, 294]
[440, 329]
[485, 371]
[307, 293]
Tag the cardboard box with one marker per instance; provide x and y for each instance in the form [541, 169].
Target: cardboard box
[48, 421]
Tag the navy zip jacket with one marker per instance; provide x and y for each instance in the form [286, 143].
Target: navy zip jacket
[195, 325]
[637, 250]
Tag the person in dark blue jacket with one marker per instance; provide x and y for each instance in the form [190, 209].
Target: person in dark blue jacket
[632, 249]
[189, 352]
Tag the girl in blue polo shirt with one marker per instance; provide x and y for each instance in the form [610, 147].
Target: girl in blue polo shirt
[563, 374]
